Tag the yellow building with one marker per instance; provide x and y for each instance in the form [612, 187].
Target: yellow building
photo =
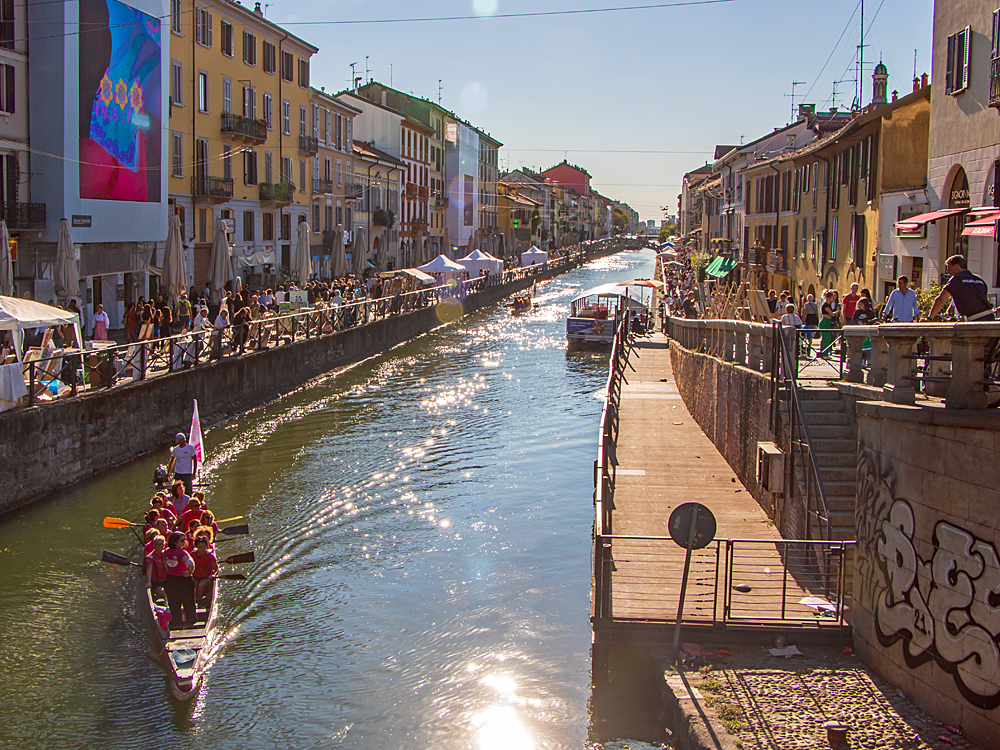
[239, 140]
[514, 215]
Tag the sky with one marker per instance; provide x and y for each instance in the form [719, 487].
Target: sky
[636, 97]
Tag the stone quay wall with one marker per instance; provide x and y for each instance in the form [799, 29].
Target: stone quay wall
[927, 578]
[52, 446]
[731, 405]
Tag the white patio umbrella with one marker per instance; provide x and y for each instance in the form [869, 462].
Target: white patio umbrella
[338, 256]
[382, 256]
[174, 275]
[360, 254]
[220, 264]
[6, 266]
[302, 264]
[67, 278]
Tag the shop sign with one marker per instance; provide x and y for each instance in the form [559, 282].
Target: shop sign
[80, 221]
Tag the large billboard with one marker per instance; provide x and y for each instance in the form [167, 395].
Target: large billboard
[120, 103]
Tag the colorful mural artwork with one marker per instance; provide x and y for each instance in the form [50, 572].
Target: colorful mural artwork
[120, 110]
[934, 587]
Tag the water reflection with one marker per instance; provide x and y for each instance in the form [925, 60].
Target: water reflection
[426, 509]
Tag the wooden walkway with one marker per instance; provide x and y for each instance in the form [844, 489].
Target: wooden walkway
[663, 460]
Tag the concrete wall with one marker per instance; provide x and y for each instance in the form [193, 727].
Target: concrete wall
[55, 445]
[927, 572]
[730, 404]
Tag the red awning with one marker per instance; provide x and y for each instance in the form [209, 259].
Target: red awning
[915, 222]
[985, 226]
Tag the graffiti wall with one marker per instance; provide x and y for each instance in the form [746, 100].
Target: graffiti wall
[927, 578]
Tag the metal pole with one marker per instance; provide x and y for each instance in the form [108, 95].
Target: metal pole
[684, 580]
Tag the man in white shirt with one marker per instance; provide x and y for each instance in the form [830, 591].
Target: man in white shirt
[902, 306]
[183, 464]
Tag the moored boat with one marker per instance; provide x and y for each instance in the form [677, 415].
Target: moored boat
[596, 314]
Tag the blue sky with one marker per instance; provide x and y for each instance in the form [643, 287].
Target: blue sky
[580, 87]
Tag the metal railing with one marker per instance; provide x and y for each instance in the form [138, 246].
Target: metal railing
[212, 187]
[23, 215]
[785, 388]
[739, 582]
[309, 144]
[994, 100]
[81, 371]
[323, 187]
[276, 192]
[244, 126]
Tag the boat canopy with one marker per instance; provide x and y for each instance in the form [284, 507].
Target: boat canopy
[604, 290]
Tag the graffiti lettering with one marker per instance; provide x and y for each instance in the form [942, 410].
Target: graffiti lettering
[948, 607]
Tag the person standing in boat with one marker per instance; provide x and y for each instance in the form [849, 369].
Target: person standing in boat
[205, 563]
[156, 566]
[183, 464]
[179, 585]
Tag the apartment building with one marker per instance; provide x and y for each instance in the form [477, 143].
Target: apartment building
[332, 208]
[414, 218]
[242, 131]
[489, 178]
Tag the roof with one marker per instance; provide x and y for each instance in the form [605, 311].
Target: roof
[333, 99]
[721, 151]
[244, 10]
[367, 149]
[565, 163]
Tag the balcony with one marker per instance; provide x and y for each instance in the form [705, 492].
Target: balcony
[211, 189]
[423, 191]
[354, 191]
[777, 260]
[439, 201]
[254, 131]
[308, 144]
[995, 83]
[278, 193]
[322, 187]
[23, 216]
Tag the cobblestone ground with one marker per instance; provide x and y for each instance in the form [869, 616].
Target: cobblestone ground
[785, 702]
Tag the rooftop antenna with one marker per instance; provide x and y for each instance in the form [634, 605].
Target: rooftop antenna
[354, 78]
[440, 89]
[390, 75]
[859, 83]
[792, 96]
[914, 63]
[367, 72]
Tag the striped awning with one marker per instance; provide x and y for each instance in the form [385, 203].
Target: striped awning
[720, 267]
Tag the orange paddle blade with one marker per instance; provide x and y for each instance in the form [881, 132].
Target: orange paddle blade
[117, 523]
[227, 520]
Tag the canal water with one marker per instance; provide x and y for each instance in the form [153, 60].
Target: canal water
[422, 526]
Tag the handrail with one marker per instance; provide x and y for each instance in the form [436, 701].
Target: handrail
[106, 366]
[785, 374]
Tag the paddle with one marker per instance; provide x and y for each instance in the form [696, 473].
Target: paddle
[243, 557]
[230, 577]
[118, 523]
[236, 530]
[227, 520]
[111, 557]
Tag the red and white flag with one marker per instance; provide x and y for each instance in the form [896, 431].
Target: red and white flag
[195, 438]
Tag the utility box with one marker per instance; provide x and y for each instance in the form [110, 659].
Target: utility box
[770, 467]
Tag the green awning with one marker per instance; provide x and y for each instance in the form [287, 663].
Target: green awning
[720, 267]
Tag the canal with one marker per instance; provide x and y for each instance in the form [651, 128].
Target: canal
[422, 526]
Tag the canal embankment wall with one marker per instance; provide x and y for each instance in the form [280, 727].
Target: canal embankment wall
[53, 446]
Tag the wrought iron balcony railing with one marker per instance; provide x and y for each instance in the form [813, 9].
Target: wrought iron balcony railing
[276, 192]
[308, 144]
[323, 187]
[255, 130]
[23, 215]
[220, 188]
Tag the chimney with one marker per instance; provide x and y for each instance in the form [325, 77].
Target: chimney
[383, 97]
[895, 95]
[806, 111]
[880, 84]
[257, 10]
[923, 80]
[916, 83]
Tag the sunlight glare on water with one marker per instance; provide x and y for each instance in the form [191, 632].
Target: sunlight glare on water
[422, 527]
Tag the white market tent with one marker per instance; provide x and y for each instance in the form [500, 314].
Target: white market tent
[477, 260]
[442, 264]
[534, 256]
[19, 314]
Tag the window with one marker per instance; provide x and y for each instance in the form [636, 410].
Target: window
[268, 115]
[833, 238]
[227, 38]
[287, 66]
[302, 173]
[795, 247]
[249, 167]
[270, 53]
[248, 226]
[315, 122]
[249, 103]
[286, 117]
[7, 24]
[203, 27]
[328, 169]
[227, 161]
[202, 91]
[959, 54]
[201, 157]
[267, 227]
[249, 48]
[302, 120]
[815, 187]
[315, 217]
[203, 224]
[340, 214]
[227, 96]
[327, 124]
[268, 168]
[177, 155]
[340, 175]
[7, 92]
[286, 226]
[176, 13]
[339, 128]
[303, 73]
[176, 84]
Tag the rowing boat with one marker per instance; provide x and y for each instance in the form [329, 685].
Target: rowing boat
[185, 652]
